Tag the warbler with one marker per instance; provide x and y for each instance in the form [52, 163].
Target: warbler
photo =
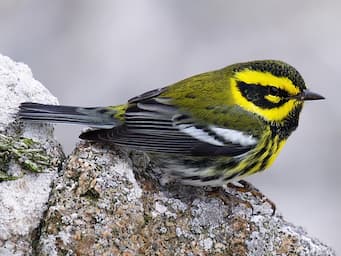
[207, 130]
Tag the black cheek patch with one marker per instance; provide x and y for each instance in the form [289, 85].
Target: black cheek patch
[256, 94]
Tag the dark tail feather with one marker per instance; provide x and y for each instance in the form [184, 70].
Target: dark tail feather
[96, 117]
[97, 135]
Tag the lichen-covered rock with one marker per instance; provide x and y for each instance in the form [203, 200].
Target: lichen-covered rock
[23, 149]
[99, 208]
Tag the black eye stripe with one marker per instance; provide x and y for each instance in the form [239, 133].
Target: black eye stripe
[272, 90]
[256, 94]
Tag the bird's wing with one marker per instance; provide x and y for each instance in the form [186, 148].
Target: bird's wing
[153, 124]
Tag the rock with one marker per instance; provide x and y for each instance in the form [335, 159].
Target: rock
[98, 207]
[104, 201]
[23, 201]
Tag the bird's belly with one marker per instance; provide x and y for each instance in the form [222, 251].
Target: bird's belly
[218, 171]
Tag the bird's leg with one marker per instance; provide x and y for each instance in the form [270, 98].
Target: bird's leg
[249, 188]
[223, 195]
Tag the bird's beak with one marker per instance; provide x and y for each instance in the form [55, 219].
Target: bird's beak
[308, 95]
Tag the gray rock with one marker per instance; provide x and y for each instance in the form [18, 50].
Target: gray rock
[103, 203]
[23, 201]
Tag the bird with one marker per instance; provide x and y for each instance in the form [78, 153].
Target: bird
[210, 129]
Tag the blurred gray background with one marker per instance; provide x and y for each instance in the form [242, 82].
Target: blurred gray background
[93, 53]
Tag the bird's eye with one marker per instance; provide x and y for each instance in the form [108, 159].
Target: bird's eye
[274, 91]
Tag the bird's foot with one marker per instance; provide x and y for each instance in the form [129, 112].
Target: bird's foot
[247, 187]
[228, 199]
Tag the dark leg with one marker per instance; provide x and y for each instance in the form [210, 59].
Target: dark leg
[228, 199]
[249, 188]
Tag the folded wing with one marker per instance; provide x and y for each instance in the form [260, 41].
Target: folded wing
[153, 124]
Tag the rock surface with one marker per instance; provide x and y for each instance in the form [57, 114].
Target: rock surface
[104, 203]
[23, 201]
[99, 208]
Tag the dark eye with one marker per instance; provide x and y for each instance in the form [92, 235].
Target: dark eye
[274, 91]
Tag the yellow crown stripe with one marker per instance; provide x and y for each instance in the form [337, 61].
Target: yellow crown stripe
[266, 79]
[270, 114]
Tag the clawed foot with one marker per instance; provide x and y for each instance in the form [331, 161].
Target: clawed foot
[247, 187]
[229, 199]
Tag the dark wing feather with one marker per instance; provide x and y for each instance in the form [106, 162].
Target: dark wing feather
[169, 144]
[153, 124]
[147, 95]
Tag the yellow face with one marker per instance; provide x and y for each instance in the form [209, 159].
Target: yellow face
[269, 96]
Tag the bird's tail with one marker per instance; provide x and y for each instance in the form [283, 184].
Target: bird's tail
[101, 117]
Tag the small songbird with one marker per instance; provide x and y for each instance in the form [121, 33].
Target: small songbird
[206, 130]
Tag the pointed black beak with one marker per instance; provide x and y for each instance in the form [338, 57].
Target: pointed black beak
[309, 95]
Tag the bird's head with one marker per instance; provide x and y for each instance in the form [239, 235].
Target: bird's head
[271, 89]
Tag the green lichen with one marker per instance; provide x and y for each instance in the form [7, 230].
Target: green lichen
[24, 151]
